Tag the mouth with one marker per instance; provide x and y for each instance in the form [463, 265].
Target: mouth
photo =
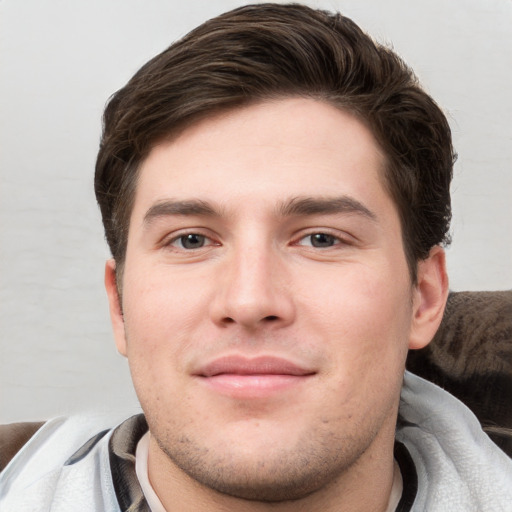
[242, 377]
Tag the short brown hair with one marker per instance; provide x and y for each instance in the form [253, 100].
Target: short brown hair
[270, 51]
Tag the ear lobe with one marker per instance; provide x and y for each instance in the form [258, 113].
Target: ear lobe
[116, 312]
[429, 298]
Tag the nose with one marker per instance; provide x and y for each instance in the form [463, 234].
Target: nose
[253, 291]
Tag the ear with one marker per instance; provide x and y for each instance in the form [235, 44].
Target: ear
[429, 298]
[116, 312]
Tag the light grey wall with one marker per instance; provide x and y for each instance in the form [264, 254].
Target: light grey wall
[60, 60]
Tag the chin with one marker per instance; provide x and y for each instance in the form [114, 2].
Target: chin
[267, 471]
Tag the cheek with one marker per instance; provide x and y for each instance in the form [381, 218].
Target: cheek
[364, 312]
[368, 323]
[157, 334]
[160, 316]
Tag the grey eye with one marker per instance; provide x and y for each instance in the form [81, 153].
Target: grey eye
[192, 241]
[322, 240]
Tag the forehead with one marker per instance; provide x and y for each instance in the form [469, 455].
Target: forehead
[266, 152]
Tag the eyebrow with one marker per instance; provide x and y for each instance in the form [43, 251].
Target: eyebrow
[305, 206]
[170, 207]
[294, 207]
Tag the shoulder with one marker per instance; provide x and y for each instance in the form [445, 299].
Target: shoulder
[459, 468]
[67, 456]
[12, 438]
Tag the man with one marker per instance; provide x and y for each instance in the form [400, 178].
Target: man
[275, 193]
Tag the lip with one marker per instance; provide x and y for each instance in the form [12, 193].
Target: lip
[262, 365]
[256, 377]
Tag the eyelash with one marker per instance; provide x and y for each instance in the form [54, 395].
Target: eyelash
[171, 243]
[208, 241]
[336, 238]
[319, 238]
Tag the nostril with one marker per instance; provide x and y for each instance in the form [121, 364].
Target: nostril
[253, 321]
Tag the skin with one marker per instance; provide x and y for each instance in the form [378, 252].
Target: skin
[340, 306]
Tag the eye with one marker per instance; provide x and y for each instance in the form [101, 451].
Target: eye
[190, 241]
[319, 240]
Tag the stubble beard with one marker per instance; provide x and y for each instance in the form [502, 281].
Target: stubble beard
[281, 474]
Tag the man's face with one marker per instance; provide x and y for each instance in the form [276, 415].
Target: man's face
[267, 305]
